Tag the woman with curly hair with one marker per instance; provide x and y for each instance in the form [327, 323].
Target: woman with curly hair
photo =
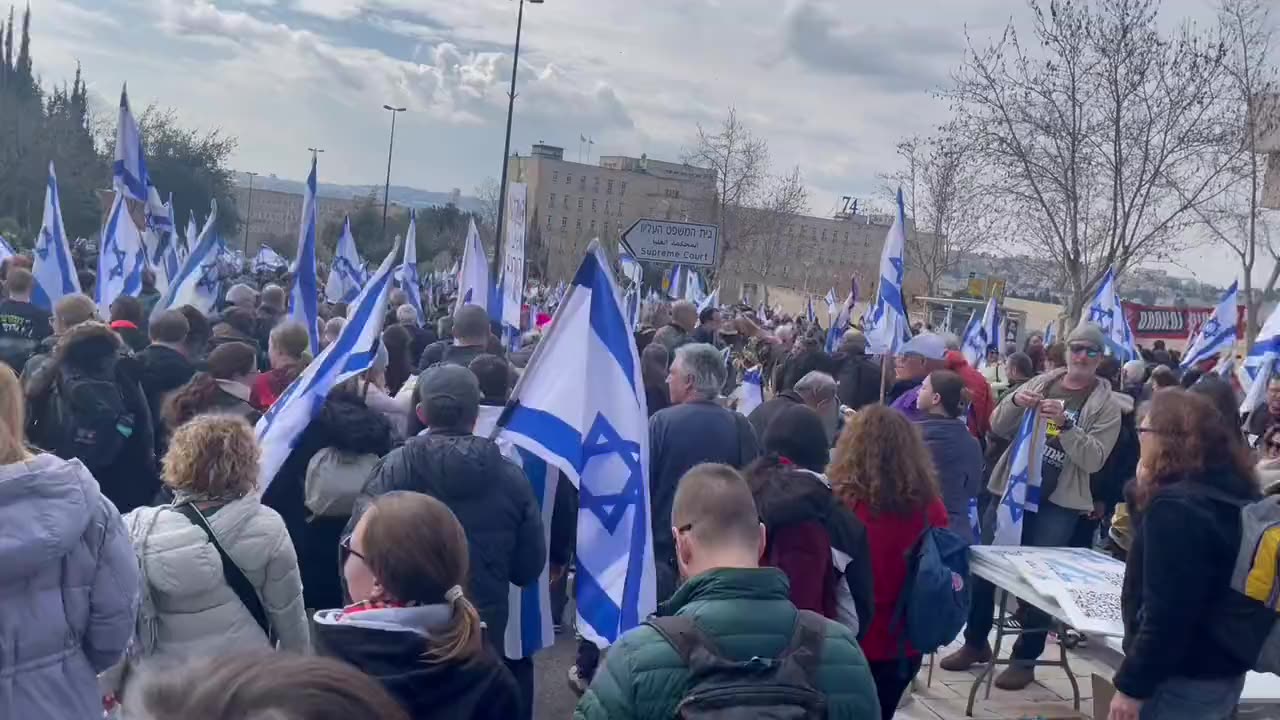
[1193, 477]
[193, 604]
[883, 473]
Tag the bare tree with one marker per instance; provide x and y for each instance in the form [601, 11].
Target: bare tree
[1101, 141]
[1235, 218]
[771, 238]
[951, 212]
[740, 161]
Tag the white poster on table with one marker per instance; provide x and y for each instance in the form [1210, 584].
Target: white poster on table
[513, 255]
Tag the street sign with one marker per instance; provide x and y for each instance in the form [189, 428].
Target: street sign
[673, 242]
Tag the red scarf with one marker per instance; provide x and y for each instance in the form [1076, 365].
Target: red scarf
[367, 605]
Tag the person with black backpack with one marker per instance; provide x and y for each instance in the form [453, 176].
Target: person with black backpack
[87, 404]
[729, 644]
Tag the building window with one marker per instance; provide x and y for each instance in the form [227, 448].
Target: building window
[619, 208]
[548, 222]
[555, 176]
[566, 202]
[607, 208]
[609, 188]
[568, 179]
[595, 184]
[582, 183]
[578, 224]
[593, 226]
[824, 234]
[594, 205]
[672, 193]
[564, 223]
[579, 203]
[553, 199]
[623, 190]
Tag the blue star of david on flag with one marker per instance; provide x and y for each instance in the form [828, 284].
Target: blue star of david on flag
[580, 406]
[1022, 492]
[45, 243]
[1217, 334]
[53, 270]
[1105, 311]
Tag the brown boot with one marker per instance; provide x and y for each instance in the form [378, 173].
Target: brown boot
[1016, 677]
[965, 658]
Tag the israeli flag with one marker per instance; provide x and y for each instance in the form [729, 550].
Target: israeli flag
[631, 269]
[351, 354]
[530, 627]
[169, 262]
[1105, 311]
[694, 292]
[633, 306]
[346, 272]
[580, 406]
[887, 326]
[809, 313]
[198, 282]
[121, 258]
[841, 321]
[129, 173]
[832, 307]
[1050, 333]
[1217, 334]
[473, 277]
[980, 335]
[1262, 360]
[752, 395]
[53, 270]
[1022, 493]
[710, 301]
[6, 250]
[302, 296]
[268, 259]
[193, 235]
[675, 286]
[409, 269]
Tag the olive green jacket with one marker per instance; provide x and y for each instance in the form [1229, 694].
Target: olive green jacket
[749, 614]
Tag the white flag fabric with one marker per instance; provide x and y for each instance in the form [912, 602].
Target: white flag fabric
[1022, 493]
[193, 233]
[409, 269]
[980, 335]
[473, 277]
[710, 301]
[346, 272]
[6, 250]
[530, 627]
[303, 303]
[580, 406]
[1106, 311]
[1262, 361]
[887, 325]
[832, 306]
[268, 259]
[1050, 334]
[199, 281]
[351, 354]
[752, 391]
[1217, 334]
[53, 269]
[129, 172]
[121, 258]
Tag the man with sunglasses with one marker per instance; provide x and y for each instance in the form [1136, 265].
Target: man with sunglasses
[1083, 423]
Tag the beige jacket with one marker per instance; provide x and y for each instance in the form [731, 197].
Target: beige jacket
[1087, 444]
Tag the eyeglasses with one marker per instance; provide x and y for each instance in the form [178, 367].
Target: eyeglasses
[1152, 431]
[345, 546]
[1087, 350]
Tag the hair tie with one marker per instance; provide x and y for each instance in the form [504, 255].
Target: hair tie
[453, 594]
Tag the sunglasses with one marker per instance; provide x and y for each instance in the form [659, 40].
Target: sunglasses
[1087, 350]
[345, 546]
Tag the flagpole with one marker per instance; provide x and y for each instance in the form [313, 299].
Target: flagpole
[506, 150]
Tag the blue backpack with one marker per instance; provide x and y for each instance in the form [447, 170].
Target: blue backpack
[934, 604]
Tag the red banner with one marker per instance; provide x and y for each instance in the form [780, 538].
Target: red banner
[1167, 322]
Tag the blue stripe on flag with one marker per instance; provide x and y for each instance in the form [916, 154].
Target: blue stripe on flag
[594, 604]
[606, 318]
[551, 432]
[531, 597]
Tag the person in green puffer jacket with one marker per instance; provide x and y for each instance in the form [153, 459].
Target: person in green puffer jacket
[742, 606]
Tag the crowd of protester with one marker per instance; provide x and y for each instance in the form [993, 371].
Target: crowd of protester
[145, 572]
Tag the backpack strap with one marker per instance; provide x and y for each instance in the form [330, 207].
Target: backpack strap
[684, 636]
[231, 572]
[805, 647]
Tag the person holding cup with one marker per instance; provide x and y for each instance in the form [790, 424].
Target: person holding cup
[1083, 421]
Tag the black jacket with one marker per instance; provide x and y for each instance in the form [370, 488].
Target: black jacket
[420, 338]
[347, 424]
[444, 351]
[491, 498]
[769, 409]
[858, 381]
[1178, 571]
[479, 688]
[163, 371]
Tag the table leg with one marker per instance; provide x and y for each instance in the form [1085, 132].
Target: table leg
[988, 672]
[1071, 676]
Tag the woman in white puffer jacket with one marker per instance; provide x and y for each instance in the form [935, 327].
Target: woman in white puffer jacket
[189, 610]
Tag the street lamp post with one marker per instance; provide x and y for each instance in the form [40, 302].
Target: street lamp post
[386, 192]
[248, 215]
[315, 152]
[506, 149]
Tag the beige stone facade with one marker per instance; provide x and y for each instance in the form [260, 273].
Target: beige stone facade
[278, 214]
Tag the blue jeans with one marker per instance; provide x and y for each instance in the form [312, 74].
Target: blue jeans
[1187, 699]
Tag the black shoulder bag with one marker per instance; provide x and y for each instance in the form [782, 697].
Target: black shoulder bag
[235, 577]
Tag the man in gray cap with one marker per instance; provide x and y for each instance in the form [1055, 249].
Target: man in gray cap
[918, 357]
[1083, 423]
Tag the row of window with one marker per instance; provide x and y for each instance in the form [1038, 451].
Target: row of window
[564, 224]
[595, 183]
[595, 204]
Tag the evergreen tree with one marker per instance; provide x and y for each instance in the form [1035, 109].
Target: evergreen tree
[8, 44]
[24, 78]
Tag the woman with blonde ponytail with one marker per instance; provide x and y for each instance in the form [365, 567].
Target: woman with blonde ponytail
[411, 625]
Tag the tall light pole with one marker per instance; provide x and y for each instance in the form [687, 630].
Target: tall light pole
[315, 152]
[386, 192]
[506, 149]
[248, 215]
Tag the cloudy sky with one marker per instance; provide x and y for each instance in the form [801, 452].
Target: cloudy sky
[832, 84]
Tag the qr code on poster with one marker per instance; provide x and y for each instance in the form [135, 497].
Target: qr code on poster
[1103, 606]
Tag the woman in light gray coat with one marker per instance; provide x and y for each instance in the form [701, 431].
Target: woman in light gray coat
[188, 607]
[68, 578]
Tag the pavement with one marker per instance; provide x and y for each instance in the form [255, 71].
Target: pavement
[553, 700]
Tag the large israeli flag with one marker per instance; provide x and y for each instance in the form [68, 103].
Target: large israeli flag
[580, 406]
[268, 259]
[303, 303]
[193, 234]
[129, 172]
[409, 269]
[121, 258]
[1262, 359]
[981, 334]
[6, 250]
[1105, 311]
[351, 354]
[1217, 334]
[346, 272]
[473, 277]
[887, 326]
[752, 394]
[199, 281]
[1022, 493]
[53, 269]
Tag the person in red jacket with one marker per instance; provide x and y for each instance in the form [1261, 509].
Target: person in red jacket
[811, 536]
[982, 401]
[883, 473]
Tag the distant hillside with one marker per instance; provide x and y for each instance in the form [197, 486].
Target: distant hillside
[400, 195]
